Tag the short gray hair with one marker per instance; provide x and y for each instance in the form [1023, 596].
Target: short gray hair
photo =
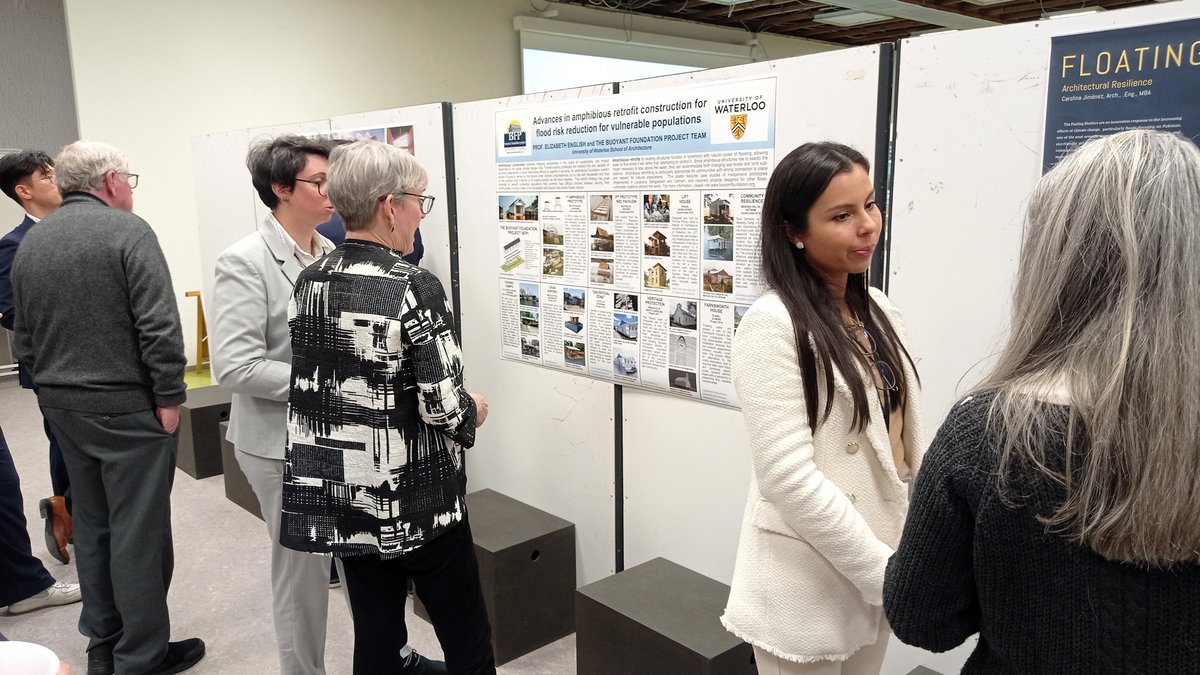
[1107, 303]
[363, 172]
[81, 166]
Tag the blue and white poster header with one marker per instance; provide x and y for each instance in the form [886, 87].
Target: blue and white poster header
[728, 116]
[1144, 77]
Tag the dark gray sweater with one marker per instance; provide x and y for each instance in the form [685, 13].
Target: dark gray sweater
[97, 320]
[968, 563]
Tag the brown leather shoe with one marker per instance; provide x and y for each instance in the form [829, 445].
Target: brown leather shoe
[58, 527]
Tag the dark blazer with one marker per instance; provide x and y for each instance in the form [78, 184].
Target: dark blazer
[8, 251]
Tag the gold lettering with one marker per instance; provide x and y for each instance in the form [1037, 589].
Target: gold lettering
[1194, 59]
[1123, 62]
[1067, 63]
[1155, 57]
[1082, 66]
[1103, 63]
[1175, 55]
[1141, 56]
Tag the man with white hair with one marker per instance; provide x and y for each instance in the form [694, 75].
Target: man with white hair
[98, 326]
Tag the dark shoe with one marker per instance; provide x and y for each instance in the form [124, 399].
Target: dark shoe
[100, 660]
[334, 580]
[58, 527]
[415, 664]
[181, 656]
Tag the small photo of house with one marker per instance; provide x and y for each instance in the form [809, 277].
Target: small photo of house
[656, 244]
[624, 361]
[555, 206]
[657, 276]
[529, 295]
[552, 235]
[739, 311]
[574, 323]
[602, 240]
[402, 137]
[529, 322]
[601, 207]
[574, 299]
[682, 351]
[574, 353]
[684, 315]
[518, 207]
[626, 302]
[601, 271]
[552, 262]
[363, 135]
[717, 277]
[625, 326]
[718, 209]
[718, 242]
[531, 346]
[656, 208]
[681, 379]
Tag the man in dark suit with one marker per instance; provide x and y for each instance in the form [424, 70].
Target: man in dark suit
[27, 177]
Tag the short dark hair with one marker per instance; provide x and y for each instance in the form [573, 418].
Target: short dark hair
[278, 161]
[18, 166]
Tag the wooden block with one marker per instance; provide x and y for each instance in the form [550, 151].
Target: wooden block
[527, 571]
[653, 619]
[199, 437]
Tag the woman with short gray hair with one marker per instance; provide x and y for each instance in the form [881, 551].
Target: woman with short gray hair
[377, 419]
[1057, 513]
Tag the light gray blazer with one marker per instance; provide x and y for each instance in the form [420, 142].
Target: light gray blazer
[251, 348]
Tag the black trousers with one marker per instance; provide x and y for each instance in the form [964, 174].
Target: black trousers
[446, 576]
[122, 466]
[60, 479]
[21, 574]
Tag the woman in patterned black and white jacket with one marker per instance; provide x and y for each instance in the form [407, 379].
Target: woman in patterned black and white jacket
[377, 417]
[832, 406]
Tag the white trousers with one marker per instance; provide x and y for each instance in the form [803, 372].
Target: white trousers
[866, 661]
[299, 581]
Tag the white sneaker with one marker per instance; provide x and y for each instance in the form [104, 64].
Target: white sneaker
[61, 593]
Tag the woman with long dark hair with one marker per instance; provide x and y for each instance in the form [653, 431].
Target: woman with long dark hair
[1058, 514]
[831, 402]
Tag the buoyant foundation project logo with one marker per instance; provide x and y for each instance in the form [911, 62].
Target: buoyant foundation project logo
[514, 140]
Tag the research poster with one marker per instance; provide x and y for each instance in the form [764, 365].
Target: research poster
[1106, 82]
[628, 233]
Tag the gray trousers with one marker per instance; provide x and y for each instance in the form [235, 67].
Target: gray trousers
[299, 581]
[121, 467]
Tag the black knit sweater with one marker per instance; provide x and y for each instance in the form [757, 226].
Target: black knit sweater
[968, 563]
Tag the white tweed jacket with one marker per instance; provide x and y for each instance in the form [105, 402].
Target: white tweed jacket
[825, 510]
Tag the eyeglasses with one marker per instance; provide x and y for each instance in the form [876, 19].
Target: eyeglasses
[887, 376]
[426, 201]
[131, 177]
[319, 184]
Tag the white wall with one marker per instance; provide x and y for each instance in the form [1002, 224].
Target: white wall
[151, 75]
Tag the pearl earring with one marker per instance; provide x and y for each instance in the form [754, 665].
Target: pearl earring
[799, 245]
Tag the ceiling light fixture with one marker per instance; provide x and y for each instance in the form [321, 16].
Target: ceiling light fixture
[848, 17]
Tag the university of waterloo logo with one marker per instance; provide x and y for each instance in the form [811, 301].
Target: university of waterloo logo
[514, 137]
[737, 125]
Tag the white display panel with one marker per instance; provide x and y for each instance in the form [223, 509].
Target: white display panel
[969, 141]
[548, 441]
[228, 208]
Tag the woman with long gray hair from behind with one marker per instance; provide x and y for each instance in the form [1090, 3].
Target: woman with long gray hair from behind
[1057, 513]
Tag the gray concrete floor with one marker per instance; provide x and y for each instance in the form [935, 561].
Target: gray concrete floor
[221, 589]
